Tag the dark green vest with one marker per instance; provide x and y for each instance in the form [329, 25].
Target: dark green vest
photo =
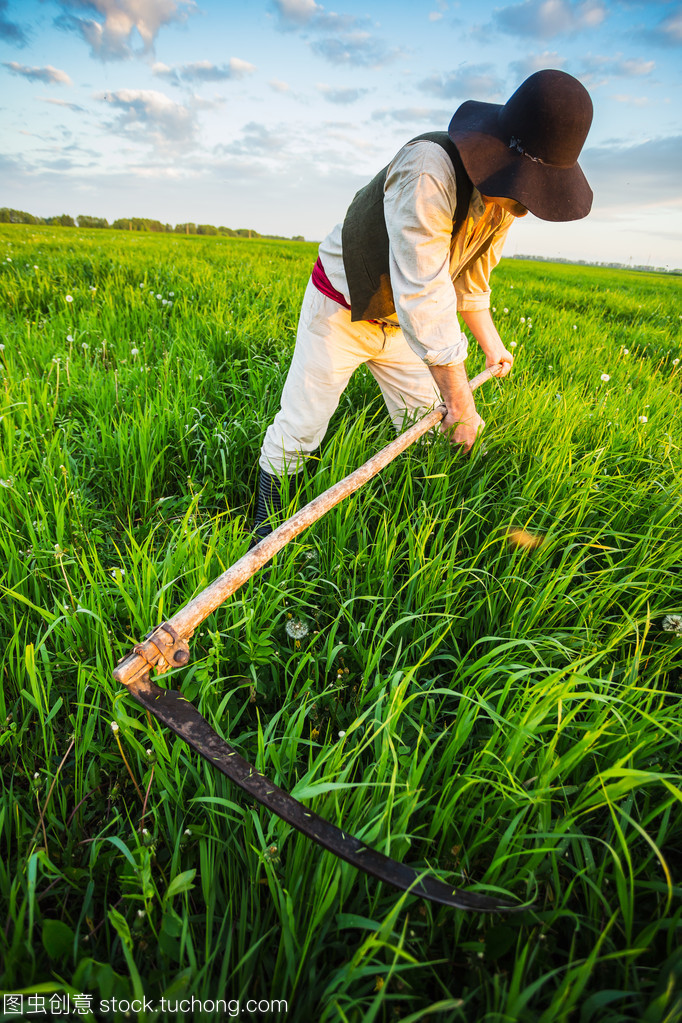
[364, 238]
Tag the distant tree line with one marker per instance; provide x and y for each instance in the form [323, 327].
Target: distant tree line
[9, 216]
[608, 266]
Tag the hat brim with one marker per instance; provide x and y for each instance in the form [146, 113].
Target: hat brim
[550, 193]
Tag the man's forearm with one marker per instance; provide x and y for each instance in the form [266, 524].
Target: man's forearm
[480, 323]
[453, 384]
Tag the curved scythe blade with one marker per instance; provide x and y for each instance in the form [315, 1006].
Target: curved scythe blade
[184, 719]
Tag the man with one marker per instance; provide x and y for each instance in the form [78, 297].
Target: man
[416, 248]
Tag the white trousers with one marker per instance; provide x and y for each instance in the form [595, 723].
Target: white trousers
[329, 348]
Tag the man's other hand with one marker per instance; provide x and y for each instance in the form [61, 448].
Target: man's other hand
[462, 433]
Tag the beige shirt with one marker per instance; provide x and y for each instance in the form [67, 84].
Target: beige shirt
[420, 196]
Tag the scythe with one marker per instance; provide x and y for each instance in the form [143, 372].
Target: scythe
[167, 647]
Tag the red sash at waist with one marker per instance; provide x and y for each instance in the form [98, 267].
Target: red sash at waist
[321, 282]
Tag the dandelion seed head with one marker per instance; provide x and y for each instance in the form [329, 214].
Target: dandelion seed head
[2, 348]
[341, 735]
[69, 298]
[513, 344]
[605, 377]
[134, 351]
[643, 419]
[114, 727]
[675, 362]
[85, 346]
[672, 623]
[69, 337]
[522, 320]
[296, 628]
[626, 351]
[505, 310]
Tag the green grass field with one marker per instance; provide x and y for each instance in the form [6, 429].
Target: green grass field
[508, 718]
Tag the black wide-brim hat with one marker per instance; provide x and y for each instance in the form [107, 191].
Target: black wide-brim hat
[528, 149]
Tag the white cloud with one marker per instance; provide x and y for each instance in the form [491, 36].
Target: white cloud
[522, 69]
[63, 103]
[632, 101]
[635, 176]
[150, 116]
[669, 31]
[341, 96]
[110, 36]
[342, 38]
[416, 116]
[543, 19]
[204, 71]
[49, 75]
[278, 86]
[631, 68]
[473, 81]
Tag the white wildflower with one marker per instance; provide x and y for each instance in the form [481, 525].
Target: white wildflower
[675, 362]
[69, 298]
[642, 419]
[672, 623]
[626, 351]
[341, 735]
[134, 351]
[522, 320]
[114, 727]
[605, 377]
[69, 337]
[505, 310]
[85, 346]
[513, 344]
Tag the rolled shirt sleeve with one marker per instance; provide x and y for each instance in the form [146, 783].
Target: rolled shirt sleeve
[420, 197]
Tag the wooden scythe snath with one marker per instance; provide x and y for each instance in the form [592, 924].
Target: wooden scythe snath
[167, 647]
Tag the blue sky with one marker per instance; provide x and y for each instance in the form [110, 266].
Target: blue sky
[270, 114]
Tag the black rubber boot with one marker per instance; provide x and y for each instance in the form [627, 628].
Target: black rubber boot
[272, 493]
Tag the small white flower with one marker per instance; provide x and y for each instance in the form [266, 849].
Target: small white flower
[605, 377]
[513, 344]
[171, 293]
[522, 320]
[494, 310]
[642, 419]
[134, 351]
[341, 735]
[69, 337]
[505, 310]
[672, 623]
[164, 301]
[626, 351]
[142, 285]
[35, 266]
[85, 346]
[150, 751]
[9, 260]
[69, 298]
[188, 833]
[2, 348]
[114, 727]
[575, 326]
[37, 775]
[141, 913]
[118, 573]
[145, 831]
[158, 296]
[675, 362]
